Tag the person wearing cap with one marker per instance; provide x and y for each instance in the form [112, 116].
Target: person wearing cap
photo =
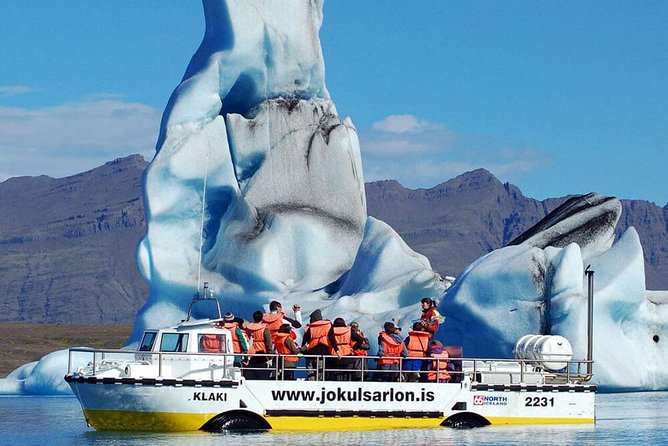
[430, 318]
[319, 340]
[287, 351]
[390, 350]
[239, 343]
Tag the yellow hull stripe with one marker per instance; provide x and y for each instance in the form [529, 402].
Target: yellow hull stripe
[533, 420]
[104, 420]
[167, 421]
[324, 424]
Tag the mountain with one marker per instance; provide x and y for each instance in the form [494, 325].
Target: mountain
[458, 221]
[67, 245]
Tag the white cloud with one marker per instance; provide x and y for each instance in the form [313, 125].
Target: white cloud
[15, 90]
[400, 124]
[420, 153]
[71, 138]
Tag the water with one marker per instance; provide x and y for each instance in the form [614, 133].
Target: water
[631, 418]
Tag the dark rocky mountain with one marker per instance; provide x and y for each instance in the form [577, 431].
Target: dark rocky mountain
[67, 245]
[460, 220]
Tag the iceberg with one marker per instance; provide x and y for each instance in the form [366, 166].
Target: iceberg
[257, 188]
[531, 286]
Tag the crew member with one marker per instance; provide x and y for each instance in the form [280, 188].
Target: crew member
[276, 317]
[430, 318]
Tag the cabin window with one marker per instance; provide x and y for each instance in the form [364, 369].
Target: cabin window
[174, 342]
[211, 343]
[147, 341]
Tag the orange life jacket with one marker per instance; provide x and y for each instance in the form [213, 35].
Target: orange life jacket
[439, 369]
[343, 338]
[210, 343]
[273, 321]
[358, 352]
[255, 332]
[393, 349]
[232, 326]
[418, 343]
[318, 331]
[282, 349]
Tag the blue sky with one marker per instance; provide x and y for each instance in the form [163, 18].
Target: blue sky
[557, 97]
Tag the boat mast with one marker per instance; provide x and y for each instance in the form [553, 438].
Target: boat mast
[201, 227]
[590, 322]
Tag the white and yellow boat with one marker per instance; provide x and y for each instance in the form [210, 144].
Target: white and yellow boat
[168, 384]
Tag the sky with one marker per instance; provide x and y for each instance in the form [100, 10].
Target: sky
[556, 97]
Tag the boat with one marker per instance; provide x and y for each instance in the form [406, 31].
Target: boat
[171, 382]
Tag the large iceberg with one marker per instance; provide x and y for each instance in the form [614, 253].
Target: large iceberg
[538, 285]
[257, 188]
[252, 150]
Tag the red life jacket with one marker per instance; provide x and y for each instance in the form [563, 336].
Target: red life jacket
[439, 369]
[359, 352]
[343, 339]
[232, 326]
[318, 331]
[392, 347]
[418, 343]
[282, 349]
[255, 332]
[210, 343]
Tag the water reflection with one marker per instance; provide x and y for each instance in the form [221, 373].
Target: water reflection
[633, 418]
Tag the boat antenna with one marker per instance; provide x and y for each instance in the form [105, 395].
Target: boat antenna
[201, 227]
[590, 322]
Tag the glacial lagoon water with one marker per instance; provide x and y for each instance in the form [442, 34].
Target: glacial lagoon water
[626, 418]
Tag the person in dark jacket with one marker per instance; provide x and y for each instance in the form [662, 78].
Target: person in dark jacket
[319, 340]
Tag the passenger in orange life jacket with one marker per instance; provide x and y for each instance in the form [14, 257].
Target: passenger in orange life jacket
[390, 348]
[318, 340]
[345, 339]
[276, 317]
[258, 332]
[239, 343]
[440, 367]
[210, 343]
[287, 350]
[418, 345]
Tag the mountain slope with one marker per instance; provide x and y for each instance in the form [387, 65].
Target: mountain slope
[67, 245]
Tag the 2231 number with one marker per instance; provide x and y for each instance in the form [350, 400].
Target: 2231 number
[538, 401]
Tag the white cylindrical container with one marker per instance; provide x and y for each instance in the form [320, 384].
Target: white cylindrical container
[553, 352]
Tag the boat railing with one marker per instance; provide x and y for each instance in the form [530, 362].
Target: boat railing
[346, 368]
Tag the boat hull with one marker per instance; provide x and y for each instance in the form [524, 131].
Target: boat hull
[185, 405]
